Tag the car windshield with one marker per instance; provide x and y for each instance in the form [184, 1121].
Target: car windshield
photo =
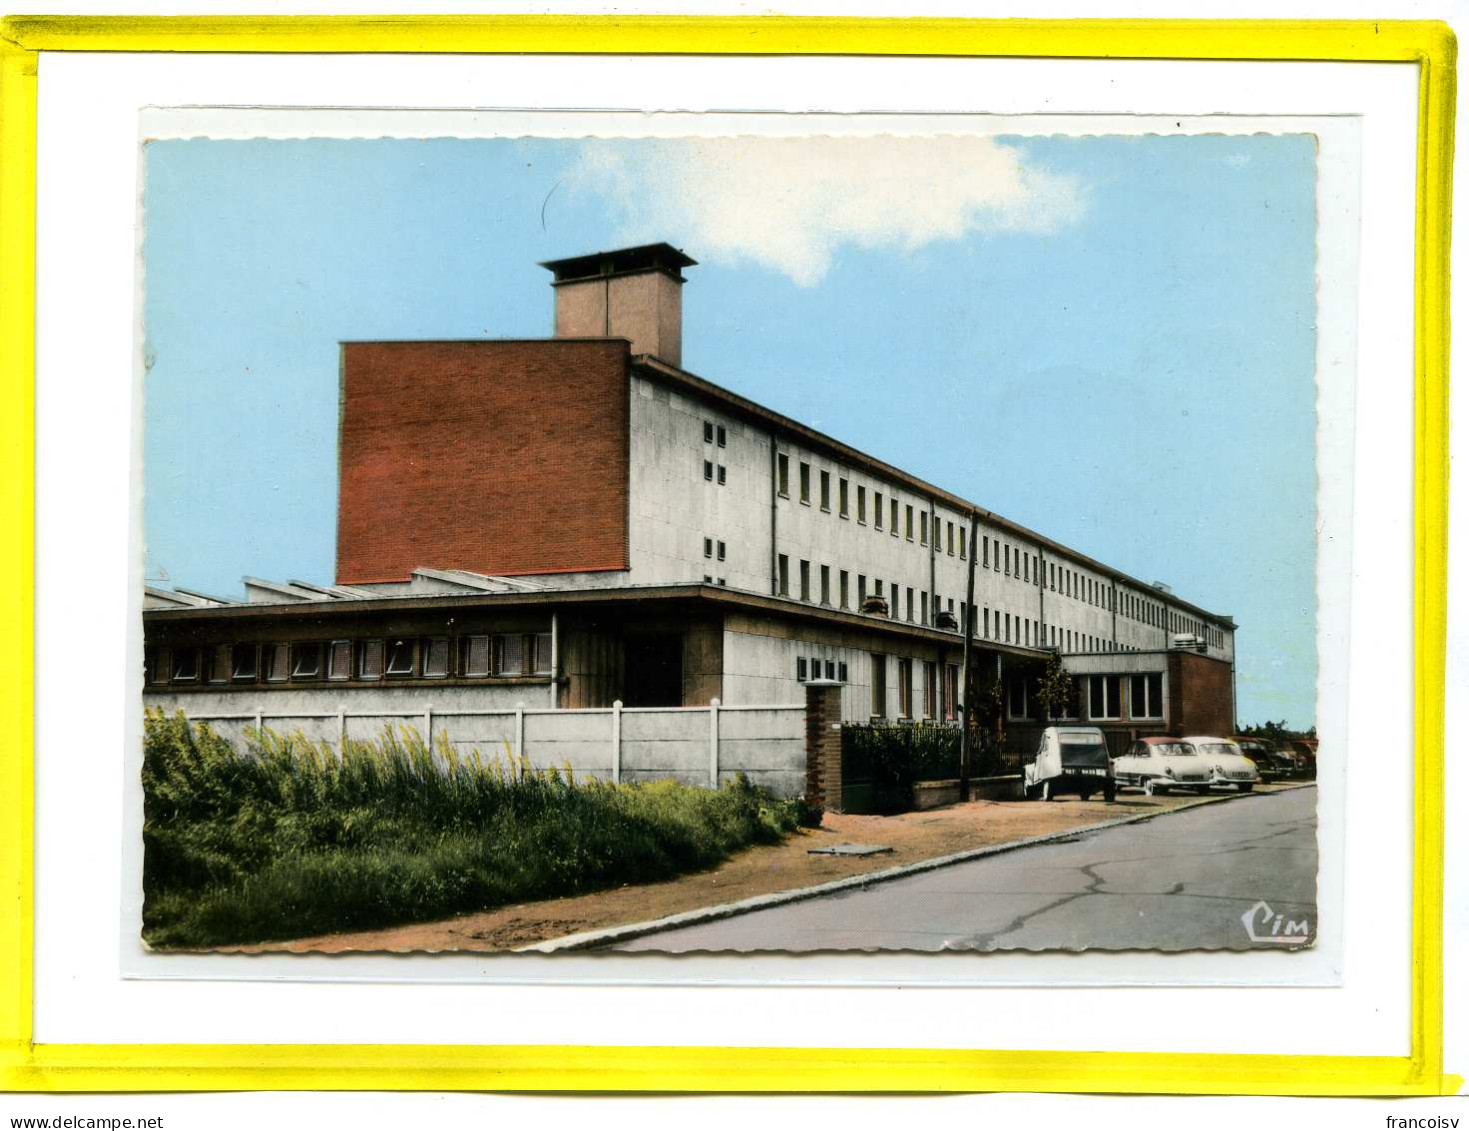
[1171, 749]
[1217, 748]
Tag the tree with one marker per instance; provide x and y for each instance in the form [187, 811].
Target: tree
[1053, 689]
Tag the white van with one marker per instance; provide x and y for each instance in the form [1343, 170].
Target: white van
[1070, 760]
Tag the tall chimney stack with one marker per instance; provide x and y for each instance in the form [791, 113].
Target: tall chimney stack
[633, 293]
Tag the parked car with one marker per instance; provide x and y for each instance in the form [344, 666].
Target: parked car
[1272, 764]
[1304, 752]
[1070, 760]
[1159, 763]
[1227, 763]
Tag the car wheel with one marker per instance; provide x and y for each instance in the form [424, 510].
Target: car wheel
[1246, 786]
[1109, 792]
[1046, 790]
[1087, 796]
[1154, 788]
[1032, 793]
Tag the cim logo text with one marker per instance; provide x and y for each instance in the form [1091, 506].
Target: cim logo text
[1263, 925]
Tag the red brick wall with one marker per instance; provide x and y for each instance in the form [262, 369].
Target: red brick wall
[496, 457]
[1201, 695]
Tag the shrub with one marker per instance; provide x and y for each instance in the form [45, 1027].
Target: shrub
[291, 837]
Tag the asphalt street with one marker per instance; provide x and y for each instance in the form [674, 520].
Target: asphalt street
[1183, 881]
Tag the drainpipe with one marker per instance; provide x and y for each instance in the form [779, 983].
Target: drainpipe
[1041, 557]
[933, 538]
[966, 715]
[774, 499]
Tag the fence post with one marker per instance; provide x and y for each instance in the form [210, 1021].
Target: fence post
[428, 726]
[714, 744]
[259, 719]
[520, 730]
[824, 743]
[342, 730]
[616, 741]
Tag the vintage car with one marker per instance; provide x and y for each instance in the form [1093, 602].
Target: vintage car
[1303, 750]
[1159, 763]
[1227, 764]
[1070, 760]
[1272, 764]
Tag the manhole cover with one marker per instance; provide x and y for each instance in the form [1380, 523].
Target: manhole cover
[850, 850]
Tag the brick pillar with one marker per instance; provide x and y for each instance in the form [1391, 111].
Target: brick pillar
[824, 743]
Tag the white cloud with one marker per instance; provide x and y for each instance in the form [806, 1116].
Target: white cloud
[792, 203]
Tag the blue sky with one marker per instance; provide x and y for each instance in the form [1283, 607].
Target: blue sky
[1108, 339]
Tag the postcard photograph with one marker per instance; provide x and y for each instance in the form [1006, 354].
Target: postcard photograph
[757, 540]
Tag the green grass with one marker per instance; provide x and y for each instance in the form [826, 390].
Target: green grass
[287, 838]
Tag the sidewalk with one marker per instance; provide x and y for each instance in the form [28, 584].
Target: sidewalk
[757, 871]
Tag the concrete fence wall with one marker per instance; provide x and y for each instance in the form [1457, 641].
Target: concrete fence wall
[702, 746]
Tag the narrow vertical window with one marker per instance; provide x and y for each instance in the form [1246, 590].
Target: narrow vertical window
[879, 668]
[722, 474]
[923, 606]
[370, 660]
[805, 483]
[905, 688]
[708, 432]
[722, 436]
[339, 660]
[783, 475]
[930, 690]
[245, 661]
[306, 661]
[962, 549]
[861, 503]
[278, 662]
[826, 585]
[923, 527]
[893, 510]
[842, 488]
[719, 553]
[826, 490]
[400, 657]
[783, 569]
[842, 580]
[805, 580]
[986, 561]
[951, 537]
[708, 547]
[910, 604]
[436, 657]
[708, 469]
[861, 589]
[475, 655]
[908, 523]
[800, 669]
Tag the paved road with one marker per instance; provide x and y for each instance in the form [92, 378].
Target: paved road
[1179, 882]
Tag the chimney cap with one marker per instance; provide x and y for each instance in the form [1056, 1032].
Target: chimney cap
[621, 261]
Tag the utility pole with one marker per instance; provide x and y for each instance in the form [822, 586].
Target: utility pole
[967, 715]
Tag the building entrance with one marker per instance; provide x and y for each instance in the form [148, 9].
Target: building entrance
[653, 671]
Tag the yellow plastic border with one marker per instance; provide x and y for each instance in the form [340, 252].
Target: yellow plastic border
[27, 1066]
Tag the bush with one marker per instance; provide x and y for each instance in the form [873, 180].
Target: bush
[292, 838]
[894, 757]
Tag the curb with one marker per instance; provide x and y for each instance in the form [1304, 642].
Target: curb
[589, 940]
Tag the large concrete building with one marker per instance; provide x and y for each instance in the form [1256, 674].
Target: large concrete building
[579, 520]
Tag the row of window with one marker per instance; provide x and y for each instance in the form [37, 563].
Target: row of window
[1102, 696]
[939, 687]
[427, 657]
[902, 519]
[913, 523]
[1002, 627]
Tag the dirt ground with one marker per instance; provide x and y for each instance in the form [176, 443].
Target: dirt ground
[756, 871]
